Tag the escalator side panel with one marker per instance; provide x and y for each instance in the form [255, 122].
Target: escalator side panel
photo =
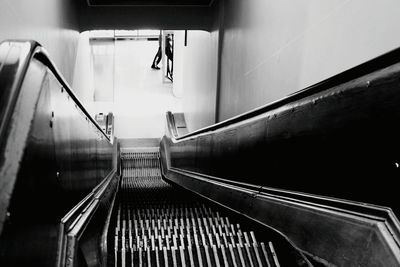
[332, 231]
[62, 158]
[22, 120]
[327, 142]
[315, 144]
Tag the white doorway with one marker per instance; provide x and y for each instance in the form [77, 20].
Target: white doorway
[140, 98]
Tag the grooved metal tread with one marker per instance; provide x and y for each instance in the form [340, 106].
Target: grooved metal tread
[161, 225]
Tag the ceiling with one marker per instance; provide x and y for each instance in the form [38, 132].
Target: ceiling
[150, 2]
[147, 14]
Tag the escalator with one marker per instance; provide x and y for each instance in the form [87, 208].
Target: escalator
[242, 192]
[159, 224]
[66, 201]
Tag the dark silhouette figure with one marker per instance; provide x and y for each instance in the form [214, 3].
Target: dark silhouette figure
[157, 57]
[157, 60]
[169, 52]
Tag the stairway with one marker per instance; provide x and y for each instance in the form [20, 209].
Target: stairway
[162, 225]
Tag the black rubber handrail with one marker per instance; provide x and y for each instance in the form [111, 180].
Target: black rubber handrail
[14, 61]
[76, 220]
[171, 125]
[375, 64]
[16, 67]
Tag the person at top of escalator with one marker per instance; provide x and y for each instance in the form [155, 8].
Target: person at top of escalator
[170, 56]
[157, 57]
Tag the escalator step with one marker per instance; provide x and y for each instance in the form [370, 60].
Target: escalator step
[160, 225]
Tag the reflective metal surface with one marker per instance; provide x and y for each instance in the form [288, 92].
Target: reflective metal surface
[16, 135]
[288, 163]
[54, 155]
[81, 229]
[14, 57]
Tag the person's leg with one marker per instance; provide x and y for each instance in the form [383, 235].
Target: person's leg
[154, 61]
[168, 67]
[158, 56]
[169, 73]
[172, 67]
[157, 59]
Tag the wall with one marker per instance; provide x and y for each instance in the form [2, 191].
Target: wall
[195, 71]
[83, 82]
[103, 60]
[51, 23]
[94, 71]
[140, 97]
[273, 48]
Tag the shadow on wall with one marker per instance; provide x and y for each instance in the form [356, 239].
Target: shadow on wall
[272, 49]
[51, 23]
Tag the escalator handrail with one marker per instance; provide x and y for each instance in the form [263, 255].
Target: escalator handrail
[14, 61]
[370, 66]
[171, 126]
[32, 50]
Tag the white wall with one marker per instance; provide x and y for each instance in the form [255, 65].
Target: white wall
[50, 22]
[83, 82]
[141, 99]
[272, 48]
[195, 75]
[94, 71]
[103, 59]
[179, 57]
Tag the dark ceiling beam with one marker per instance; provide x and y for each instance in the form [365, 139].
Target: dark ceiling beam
[150, 2]
[145, 17]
